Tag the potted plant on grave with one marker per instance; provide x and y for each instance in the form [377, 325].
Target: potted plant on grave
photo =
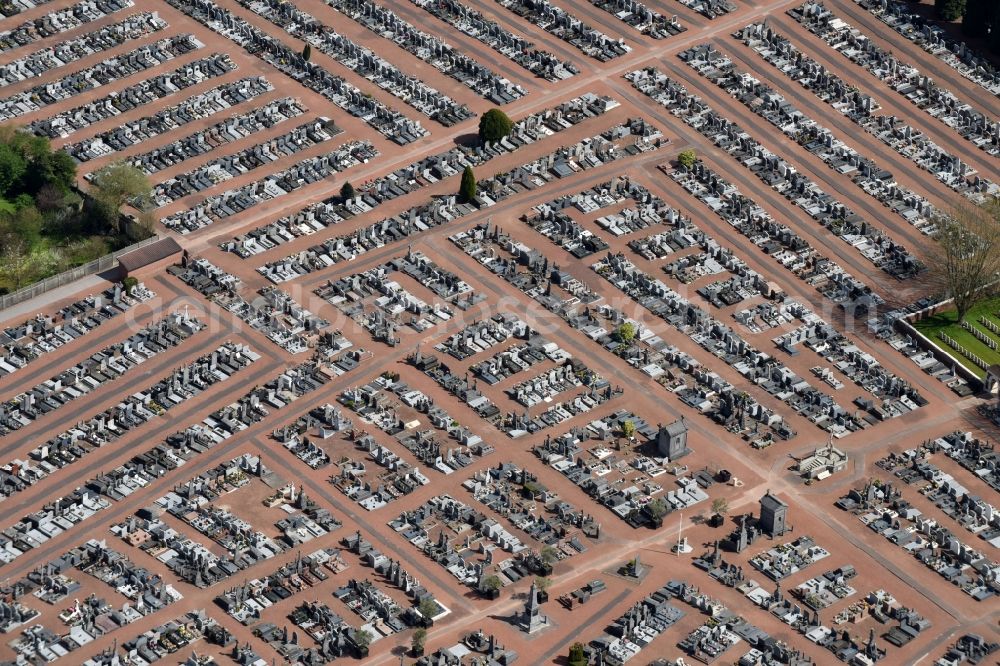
[362, 639]
[490, 587]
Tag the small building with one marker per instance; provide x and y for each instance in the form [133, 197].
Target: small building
[671, 440]
[773, 515]
[149, 259]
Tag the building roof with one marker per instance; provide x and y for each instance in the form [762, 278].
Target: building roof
[149, 254]
[772, 502]
[676, 428]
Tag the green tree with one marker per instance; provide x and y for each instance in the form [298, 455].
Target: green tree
[115, 185]
[964, 263]
[12, 169]
[656, 509]
[347, 191]
[428, 608]
[949, 10]
[628, 429]
[362, 638]
[16, 258]
[307, 52]
[625, 332]
[467, 189]
[26, 223]
[549, 555]
[543, 583]
[61, 169]
[720, 506]
[492, 582]
[419, 640]
[494, 125]
[687, 158]
[577, 657]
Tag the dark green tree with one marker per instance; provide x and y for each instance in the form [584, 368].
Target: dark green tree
[494, 125]
[347, 191]
[467, 189]
[307, 52]
[949, 10]
[62, 169]
[12, 169]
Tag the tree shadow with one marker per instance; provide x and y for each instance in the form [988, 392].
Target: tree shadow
[470, 140]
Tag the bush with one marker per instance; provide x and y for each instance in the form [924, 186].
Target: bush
[576, 655]
[492, 582]
[130, 283]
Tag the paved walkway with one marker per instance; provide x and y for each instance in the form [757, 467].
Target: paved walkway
[27, 308]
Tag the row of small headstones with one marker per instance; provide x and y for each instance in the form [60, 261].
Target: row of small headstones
[988, 323]
[980, 335]
[963, 351]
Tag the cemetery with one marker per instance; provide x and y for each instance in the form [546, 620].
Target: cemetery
[580, 332]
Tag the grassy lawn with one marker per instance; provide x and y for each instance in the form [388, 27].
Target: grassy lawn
[6, 206]
[948, 322]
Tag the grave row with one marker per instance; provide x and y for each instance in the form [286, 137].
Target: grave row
[20, 344]
[777, 240]
[557, 21]
[67, 51]
[211, 138]
[233, 202]
[103, 73]
[199, 106]
[430, 49]
[422, 173]
[366, 63]
[100, 368]
[388, 122]
[484, 29]
[141, 94]
[980, 129]
[233, 165]
[935, 40]
[60, 21]
[859, 108]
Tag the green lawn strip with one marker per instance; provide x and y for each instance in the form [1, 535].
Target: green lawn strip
[948, 323]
